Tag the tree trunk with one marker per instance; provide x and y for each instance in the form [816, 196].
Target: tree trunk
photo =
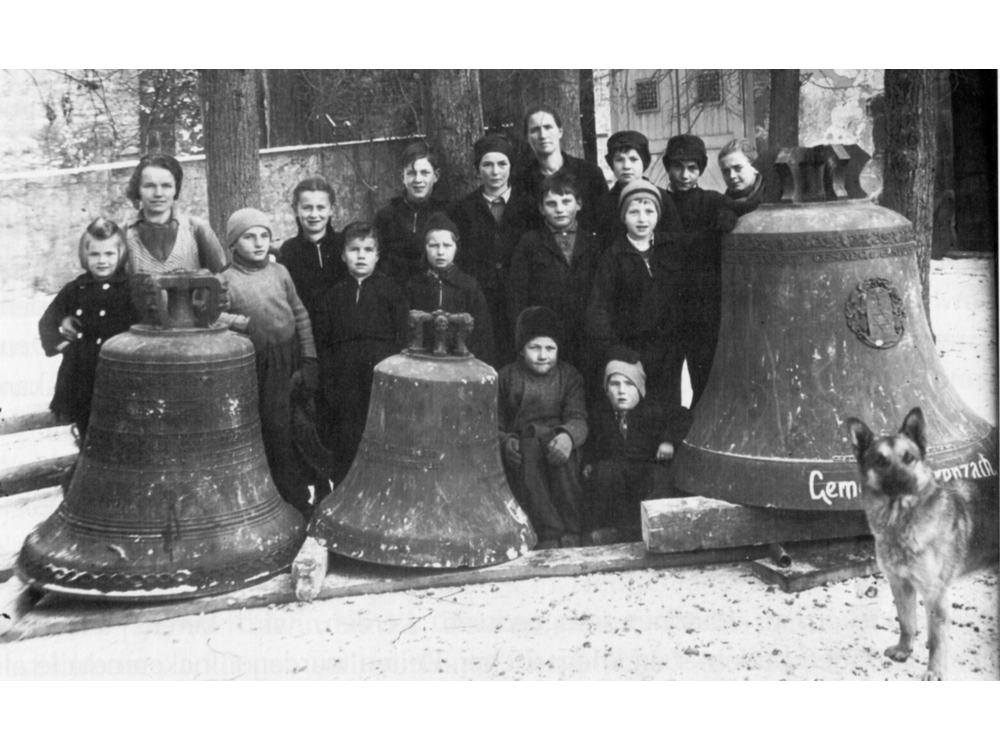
[232, 143]
[910, 152]
[453, 122]
[559, 89]
[783, 125]
[289, 107]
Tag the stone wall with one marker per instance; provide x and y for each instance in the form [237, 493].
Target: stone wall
[43, 213]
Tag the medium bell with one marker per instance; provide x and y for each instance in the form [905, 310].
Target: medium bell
[172, 497]
[822, 319]
[427, 488]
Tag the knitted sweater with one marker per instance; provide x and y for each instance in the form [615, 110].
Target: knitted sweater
[554, 400]
[263, 303]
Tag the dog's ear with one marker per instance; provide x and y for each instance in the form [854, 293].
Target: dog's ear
[915, 429]
[861, 437]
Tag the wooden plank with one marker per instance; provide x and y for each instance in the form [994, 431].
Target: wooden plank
[60, 614]
[821, 563]
[24, 422]
[685, 524]
[35, 459]
[19, 514]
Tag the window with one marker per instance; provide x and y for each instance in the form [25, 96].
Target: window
[708, 87]
[647, 95]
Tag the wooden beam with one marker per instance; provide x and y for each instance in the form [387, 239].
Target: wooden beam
[822, 563]
[35, 459]
[685, 524]
[12, 423]
[60, 614]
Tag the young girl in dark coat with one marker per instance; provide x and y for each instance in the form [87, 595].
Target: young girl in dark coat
[361, 321]
[87, 312]
[632, 440]
[442, 286]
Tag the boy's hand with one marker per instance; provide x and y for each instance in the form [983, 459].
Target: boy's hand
[558, 449]
[665, 452]
[587, 471]
[69, 328]
[512, 451]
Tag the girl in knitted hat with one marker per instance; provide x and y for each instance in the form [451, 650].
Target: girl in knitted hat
[630, 451]
[264, 305]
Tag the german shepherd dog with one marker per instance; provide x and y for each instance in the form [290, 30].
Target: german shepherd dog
[926, 534]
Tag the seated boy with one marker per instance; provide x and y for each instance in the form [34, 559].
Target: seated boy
[628, 156]
[632, 436]
[442, 286]
[743, 182]
[542, 422]
[705, 217]
[554, 267]
[400, 224]
[362, 320]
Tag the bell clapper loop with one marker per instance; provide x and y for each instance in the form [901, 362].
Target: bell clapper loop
[451, 332]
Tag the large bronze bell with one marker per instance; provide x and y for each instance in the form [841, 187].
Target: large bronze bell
[172, 497]
[427, 488]
[822, 319]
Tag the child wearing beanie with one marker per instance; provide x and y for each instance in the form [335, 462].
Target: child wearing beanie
[629, 158]
[705, 217]
[632, 441]
[264, 305]
[442, 286]
[542, 421]
[634, 298]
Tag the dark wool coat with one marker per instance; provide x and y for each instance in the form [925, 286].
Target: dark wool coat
[540, 275]
[485, 251]
[400, 226]
[610, 225]
[314, 266]
[554, 401]
[357, 326]
[104, 309]
[649, 424]
[589, 178]
[455, 292]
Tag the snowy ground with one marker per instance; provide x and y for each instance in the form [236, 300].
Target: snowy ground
[711, 623]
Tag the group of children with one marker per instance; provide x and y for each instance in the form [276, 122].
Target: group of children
[587, 301]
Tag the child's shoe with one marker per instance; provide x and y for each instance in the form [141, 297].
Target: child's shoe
[570, 540]
[600, 537]
[547, 544]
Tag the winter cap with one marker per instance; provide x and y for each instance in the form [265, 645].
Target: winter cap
[537, 321]
[439, 221]
[686, 147]
[639, 189]
[624, 361]
[492, 144]
[623, 140]
[243, 220]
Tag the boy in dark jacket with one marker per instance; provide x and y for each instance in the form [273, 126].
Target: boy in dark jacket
[442, 286]
[542, 423]
[361, 321]
[491, 219]
[555, 266]
[400, 224]
[744, 183]
[634, 299]
[632, 437]
[705, 217]
[628, 156]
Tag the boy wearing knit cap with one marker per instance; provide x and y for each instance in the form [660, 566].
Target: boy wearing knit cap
[555, 266]
[442, 286]
[634, 298]
[705, 216]
[542, 424]
[632, 441]
[264, 305]
[628, 156]
[490, 221]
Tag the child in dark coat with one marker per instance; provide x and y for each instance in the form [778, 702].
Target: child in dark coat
[705, 217]
[400, 224]
[361, 321]
[542, 419]
[87, 312]
[264, 305]
[491, 219]
[632, 437]
[442, 286]
[634, 299]
[555, 266]
[628, 156]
